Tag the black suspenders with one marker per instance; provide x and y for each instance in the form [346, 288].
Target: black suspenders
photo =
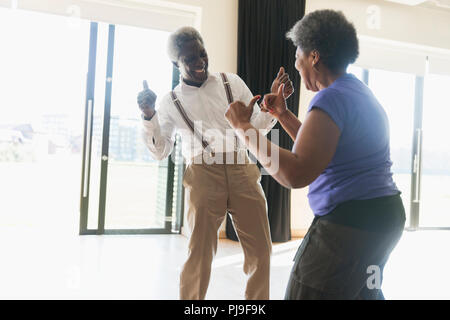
[189, 122]
[226, 84]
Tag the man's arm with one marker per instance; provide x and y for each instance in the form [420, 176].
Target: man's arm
[158, 128]
[158, 134]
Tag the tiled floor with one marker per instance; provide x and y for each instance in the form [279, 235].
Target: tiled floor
[63, 265]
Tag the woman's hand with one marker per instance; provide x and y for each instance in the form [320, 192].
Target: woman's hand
[282, 78]
[275, 103]
[238, 114]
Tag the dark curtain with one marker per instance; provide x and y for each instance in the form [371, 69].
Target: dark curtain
[262, 50]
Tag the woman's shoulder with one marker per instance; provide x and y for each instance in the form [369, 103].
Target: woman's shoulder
[327, 96]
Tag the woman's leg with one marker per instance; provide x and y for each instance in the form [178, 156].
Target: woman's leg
[339, 262]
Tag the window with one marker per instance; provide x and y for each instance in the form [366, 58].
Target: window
[395, 91]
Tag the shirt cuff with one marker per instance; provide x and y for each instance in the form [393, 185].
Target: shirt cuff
[143, 117]
[269, 120]
[151, 124]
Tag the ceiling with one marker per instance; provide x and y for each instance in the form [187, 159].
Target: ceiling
[432, 4]
[438, 4]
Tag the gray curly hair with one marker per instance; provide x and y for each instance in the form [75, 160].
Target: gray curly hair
[178, 38]
[330, 33]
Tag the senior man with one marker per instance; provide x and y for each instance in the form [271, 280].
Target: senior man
[219, 177]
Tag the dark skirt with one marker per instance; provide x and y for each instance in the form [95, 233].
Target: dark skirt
[344, 252]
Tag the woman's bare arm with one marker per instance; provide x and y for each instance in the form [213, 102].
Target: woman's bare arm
[290, 123]
[314, 147]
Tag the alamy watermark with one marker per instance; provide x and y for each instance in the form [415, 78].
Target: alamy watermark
[374, 280]
[225, 146]
[73, 17]
[373, 21]
[73, 278]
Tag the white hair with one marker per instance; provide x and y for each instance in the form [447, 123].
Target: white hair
[177, 40]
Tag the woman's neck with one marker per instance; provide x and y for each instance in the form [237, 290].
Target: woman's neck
[329, 77]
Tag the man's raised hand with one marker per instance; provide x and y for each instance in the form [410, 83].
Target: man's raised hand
[238, 114]
[146, 100]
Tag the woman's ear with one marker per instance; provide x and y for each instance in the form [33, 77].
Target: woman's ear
[315, 59]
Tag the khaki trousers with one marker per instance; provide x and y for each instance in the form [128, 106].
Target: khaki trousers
[212, 190]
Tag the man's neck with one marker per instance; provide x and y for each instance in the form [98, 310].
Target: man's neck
[192, 83]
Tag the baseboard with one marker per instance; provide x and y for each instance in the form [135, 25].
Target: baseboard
[295, 233]
[298, 233]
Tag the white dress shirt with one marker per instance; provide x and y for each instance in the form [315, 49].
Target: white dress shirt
[206, 107]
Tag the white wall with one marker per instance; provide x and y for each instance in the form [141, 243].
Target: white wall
[393, 21]
[301, 213]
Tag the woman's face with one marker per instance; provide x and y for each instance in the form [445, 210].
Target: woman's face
[304, 63]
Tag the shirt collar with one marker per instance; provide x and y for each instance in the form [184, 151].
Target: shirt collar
[211, 77]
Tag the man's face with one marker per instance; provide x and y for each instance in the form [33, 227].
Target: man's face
[193, 62]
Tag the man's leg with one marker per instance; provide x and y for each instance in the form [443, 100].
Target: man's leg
[247, 205]
[206, 195]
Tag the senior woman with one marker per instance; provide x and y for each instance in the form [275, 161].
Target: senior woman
[341, 152]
